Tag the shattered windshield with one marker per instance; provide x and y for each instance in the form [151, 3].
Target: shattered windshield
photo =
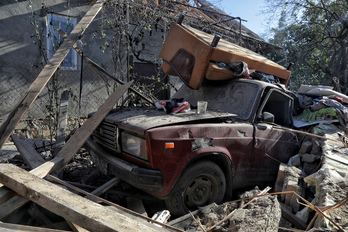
[235, 97]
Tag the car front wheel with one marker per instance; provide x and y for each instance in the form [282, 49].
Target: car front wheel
[201, 184]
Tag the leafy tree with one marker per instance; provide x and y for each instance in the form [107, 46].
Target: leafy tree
[314, 33]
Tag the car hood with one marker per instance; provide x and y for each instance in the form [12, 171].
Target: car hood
[139, 120]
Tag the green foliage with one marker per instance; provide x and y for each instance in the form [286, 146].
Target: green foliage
[314, 35]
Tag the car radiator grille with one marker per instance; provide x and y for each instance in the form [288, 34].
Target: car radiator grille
[106, 135]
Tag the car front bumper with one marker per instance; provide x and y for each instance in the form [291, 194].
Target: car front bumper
[141, 178]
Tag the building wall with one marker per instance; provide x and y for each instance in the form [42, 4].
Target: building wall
[20, 61]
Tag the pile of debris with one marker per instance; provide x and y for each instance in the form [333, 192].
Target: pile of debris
[256, 214]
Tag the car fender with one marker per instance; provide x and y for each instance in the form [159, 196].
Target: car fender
[219, 155]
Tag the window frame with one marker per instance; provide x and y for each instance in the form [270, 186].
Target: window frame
[69, 21]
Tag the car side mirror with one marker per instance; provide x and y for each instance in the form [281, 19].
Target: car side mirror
[267, 117]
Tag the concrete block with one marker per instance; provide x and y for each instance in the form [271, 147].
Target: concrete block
[291, 184]
[280, 178]
[306, 147]
[295, 161]
[316, 148]
[308, 158]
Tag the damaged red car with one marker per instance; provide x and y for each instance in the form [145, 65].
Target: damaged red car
[189, 159]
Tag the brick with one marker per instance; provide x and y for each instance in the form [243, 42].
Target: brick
[295, 161]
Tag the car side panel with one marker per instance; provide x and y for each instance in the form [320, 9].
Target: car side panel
[194, 141]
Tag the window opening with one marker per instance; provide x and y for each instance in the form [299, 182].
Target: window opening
[67, 24]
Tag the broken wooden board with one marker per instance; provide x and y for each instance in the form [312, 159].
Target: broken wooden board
[45, 75]
[20, 228]
[77, 140]
[113, 206]
[31, 157]
[62, 202]
[292, 218]
[12, 205]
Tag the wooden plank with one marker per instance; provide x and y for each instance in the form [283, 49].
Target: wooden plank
[10, 202]
[292, 218]
[15, 227]
[105, 187]
[62, 122]
[62, 202]
[75, 227]
[114, 206]
[45, 75]
[102, 189]
[31, 157]
[83, 133]
[41, 171]
[12, 205]
[5, 194]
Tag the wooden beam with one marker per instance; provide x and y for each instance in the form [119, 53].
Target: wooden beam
[31, 157]
[113, 205]
[45, 75]
[105, 187]
[121, 82]
[12, 205]
[77, 140]
[5, 194]
[11, 202]
[62, 122]
[62, 202]
[292, 218]
[20, 228]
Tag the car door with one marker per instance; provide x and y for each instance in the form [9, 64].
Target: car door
[272, 144]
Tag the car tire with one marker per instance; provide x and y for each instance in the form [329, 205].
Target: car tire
[201, 184]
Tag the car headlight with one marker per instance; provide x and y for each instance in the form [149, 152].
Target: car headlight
[134, 145]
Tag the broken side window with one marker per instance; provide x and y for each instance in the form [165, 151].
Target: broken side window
[67, 24]
[280, 105]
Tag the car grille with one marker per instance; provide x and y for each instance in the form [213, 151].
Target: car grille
[106, 135]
